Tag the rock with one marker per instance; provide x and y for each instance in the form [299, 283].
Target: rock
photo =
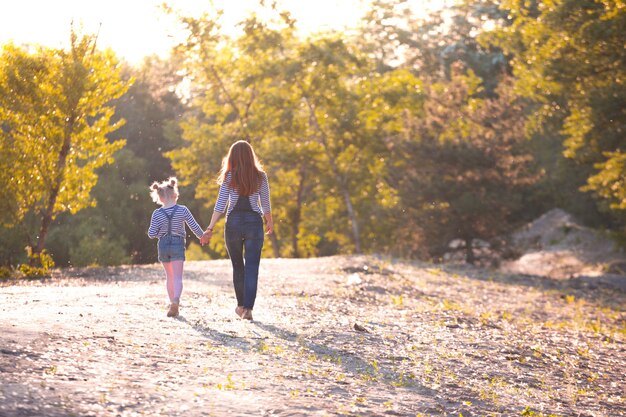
[456, 244]
[617, 267]
[556, 245]
[480, 244]
[354, 279]
[360, 328]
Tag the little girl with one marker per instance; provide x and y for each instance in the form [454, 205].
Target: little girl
[168, 224]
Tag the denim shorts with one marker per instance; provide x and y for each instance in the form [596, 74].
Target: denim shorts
[171, 248]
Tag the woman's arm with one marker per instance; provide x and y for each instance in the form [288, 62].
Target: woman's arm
[216, 216]
[269, 223]
[208, 233]
[224, 195]
[264, 196]
[220, 208]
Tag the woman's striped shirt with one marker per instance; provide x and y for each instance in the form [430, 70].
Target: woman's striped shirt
[158, 222]
[259, 200]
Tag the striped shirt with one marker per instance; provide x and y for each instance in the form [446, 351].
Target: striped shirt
[159, 221]
[259, 200]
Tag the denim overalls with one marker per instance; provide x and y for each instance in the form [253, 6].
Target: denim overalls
[171, 247]
[244, 240]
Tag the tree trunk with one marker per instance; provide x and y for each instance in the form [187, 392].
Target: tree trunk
[297, 215]
[469, 252]
[48, 213]
[353, 220]
[275, 244]
[335, 169]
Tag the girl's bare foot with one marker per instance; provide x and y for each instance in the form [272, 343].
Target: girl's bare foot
[247, 314]
[173, 312]
[239, 310]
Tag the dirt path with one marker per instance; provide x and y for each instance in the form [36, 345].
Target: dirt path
[436, 342]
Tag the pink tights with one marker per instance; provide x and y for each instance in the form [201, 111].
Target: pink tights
[174, 282]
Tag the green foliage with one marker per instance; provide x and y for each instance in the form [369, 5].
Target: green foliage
[56, 114]
[99, 251]
[35, 123]
[195, 253]
[568, 57]
[271, 88]
[122, 206]
[43, 259]
[397, 139]
[13, 241]
[120, 217]
[530, 413]
[463, 164]
[610, 180]
[149, 108]
[433, 45]
[5, 272]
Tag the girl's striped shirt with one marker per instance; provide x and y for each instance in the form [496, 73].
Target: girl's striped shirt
[259, 200]
[158, 222]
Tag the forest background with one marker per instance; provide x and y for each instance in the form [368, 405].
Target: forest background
[394, 138]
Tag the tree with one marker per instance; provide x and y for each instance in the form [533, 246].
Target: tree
[225, 97]
[463, 164]
[431, 46]
[569, 58]
[114, 231]
[56, 114]
[151, 108]
[324, 81]
[305, 105]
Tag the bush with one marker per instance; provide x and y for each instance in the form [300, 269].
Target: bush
[5, 272]
[32, 271]
[99, 252]
[196, 253]
[43, 259]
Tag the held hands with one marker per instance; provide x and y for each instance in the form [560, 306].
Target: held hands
[206, 237]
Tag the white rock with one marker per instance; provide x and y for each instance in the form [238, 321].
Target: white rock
[354, 279]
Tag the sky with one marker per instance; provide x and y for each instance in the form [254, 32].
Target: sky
[137, 28]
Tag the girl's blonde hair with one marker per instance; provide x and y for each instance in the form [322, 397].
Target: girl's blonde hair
[245, 168]
[166, 190]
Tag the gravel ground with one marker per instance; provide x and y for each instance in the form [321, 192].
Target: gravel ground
[331, 336]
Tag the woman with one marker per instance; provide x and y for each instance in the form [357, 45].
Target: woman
[245, 198]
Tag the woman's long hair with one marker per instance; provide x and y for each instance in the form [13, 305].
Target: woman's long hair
[245, 168]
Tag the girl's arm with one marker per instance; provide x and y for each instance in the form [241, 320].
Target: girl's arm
[153, 230]
[193, 224]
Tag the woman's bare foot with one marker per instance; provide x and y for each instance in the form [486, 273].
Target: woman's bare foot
[173, 312]
[239, 310]
[247, 314]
